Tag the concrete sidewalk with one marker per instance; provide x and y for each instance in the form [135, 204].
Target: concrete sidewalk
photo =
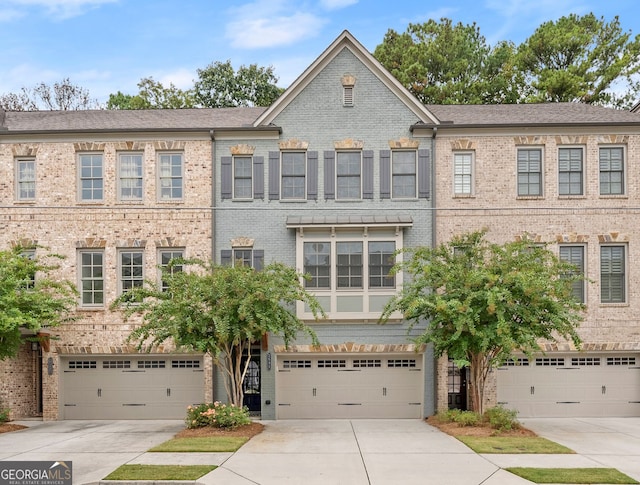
[327, 452]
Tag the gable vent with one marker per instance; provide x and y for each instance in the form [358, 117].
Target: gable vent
[348, 96]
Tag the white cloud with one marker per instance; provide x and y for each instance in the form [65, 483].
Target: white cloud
[181, 78]
[337, 4]
[60, 9]
[257, 32]
[10, 14]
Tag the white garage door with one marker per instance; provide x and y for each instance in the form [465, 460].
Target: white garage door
[349, 386]
[579, 385]
[130, 386]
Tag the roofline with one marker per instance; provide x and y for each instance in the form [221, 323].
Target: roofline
[449, 125]
[207, 129]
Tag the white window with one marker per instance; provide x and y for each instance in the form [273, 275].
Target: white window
[349, 175]
[131, 269]
[611, 171]
[130, 176]
[91, 265]
[293, 175]
[91, 177]
[529, 172]
[403, 174]
[463, 173]
[570, 171]
[25, 179]
[165, 257]
[242, 178]
[170, 176]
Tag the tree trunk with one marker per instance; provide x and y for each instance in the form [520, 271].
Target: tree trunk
[477, 379]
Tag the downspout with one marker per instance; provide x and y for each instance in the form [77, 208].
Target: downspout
[213, 195]
[434, 240]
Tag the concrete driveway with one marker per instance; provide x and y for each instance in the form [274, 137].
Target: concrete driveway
[327, 452]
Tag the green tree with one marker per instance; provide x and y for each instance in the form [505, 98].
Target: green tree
[443, 63]
[482, 302]
[220, 86]
[30, 298]
[152, 95]
[581, 58]
[63, 96]
[220, 310]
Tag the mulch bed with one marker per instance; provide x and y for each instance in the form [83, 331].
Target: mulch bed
[481, 430]
[247, 431]
[8, 427]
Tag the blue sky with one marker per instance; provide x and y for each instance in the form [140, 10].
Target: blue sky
[109, 45]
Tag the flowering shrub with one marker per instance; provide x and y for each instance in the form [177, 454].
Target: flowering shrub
[218, 415]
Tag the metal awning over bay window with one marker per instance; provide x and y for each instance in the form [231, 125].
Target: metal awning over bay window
[348, 259]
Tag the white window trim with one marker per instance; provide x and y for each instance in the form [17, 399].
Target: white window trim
[306, 176]
[585, 260]
[79, 170]
[542, 174]
[119, 179]
[625, 248]
[353, 234]
[415, 174]
[472, 191]
[17, 163]
[584, 172]
[81, 304]
[160, 252]
[159, 176]
[625, 174]
[233, 177]
[120, 251]
[338, 177]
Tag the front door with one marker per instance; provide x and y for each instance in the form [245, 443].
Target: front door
[457, 384]
[251, 383]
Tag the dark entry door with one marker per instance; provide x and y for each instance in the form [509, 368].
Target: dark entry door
[457, 384]
[251, 383]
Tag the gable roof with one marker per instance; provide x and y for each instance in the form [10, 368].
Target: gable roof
[197, 119]
[548, 114]
[346, 40]
[636, 108]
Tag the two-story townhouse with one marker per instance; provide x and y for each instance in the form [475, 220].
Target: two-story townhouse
[117, 193]
[567, 175]
[331, 180]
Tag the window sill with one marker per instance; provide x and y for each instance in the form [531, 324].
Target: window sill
[530, 197]
[91, 202]
[171, 201]
[464, 196]
[348, 200]
[572, 197]
[293, 201]
[91, 309]
[614, 196]
[25, 202]
[614, 305]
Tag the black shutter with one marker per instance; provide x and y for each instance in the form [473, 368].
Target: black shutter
[258, 177]
[226, 256]
[385, 174]
[312, 175]
[274, 175]
[424, 173]
[258, 259]
[329, 175]
[226, 178]
[367, 174]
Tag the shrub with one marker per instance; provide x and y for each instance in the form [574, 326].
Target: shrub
[467, 418]
[502, 419]
[218, 415]
[4, 415]
[448, 416]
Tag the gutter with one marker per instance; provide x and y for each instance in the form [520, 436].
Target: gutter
[213, 195]
[434, 240]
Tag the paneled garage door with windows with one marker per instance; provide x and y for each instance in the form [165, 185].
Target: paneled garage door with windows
[577, 385]
[349, 386]
[130, 386]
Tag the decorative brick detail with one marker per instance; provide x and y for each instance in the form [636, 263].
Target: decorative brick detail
[348, 144]
[89, 146]
[613, 237]
[463, 144]
[529, 237]
[293, 144]
[571, 238]
[611, 139]
[117, 349]
[242, 242]
[530, 140]
[242, 149]
[571, 140]
[404, 143]
[349, 347]
[348, 80]
[169, 144]
[129, 146]
[131, 243]
[91, 242]
[24, 150]
[24, 242]
[170, 242]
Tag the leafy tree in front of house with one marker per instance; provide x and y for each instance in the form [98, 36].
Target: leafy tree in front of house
[446, 63]
[220, 310]
[30, 298]
[482, 302]
[63, 95]
[583, 59]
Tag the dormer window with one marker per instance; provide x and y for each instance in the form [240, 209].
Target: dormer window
[348, 83]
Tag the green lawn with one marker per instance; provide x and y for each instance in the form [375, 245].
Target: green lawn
[203, 444]
[572, 475]
[160, 472]
[513, 445]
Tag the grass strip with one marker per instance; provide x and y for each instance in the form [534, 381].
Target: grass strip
[572, 475]
[160, 472]
[202, 444]
[513, 445]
